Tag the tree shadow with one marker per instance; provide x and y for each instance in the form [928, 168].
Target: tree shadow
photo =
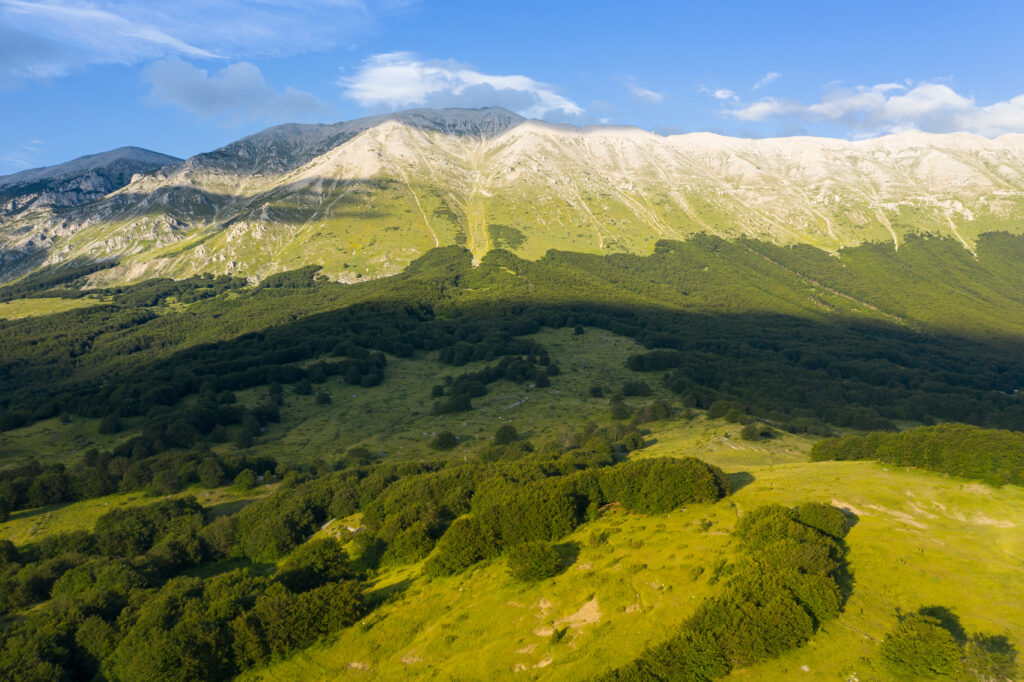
[227, 508]
[36, 511]
[949, 620]
[739, 480]
[380, 595]
[568, 553]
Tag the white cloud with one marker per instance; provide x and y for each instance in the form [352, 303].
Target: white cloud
[768, 78]
[400, 79]
[237, 92]
[643, 93]
[721, 93]
[50, 38]
[894, 107]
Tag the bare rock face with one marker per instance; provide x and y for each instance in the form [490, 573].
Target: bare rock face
[363, 198]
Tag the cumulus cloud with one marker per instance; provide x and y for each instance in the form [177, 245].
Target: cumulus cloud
[767, 79]
[401, 79]
[895, 107]
[237, 92]
[49, 38]
[643, 93]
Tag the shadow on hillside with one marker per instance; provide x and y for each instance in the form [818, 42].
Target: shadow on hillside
[851, 518]
[568, 553]
[227, 508]
[386, 593]
[29, 513]
[740, 480]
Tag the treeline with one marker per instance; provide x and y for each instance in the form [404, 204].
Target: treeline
[783, 587]
[993, 456]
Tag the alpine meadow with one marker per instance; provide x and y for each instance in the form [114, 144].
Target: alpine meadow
[507, 392]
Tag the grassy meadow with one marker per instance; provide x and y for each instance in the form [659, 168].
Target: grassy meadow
[919, 539]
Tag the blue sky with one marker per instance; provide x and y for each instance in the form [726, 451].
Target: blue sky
[184, 77]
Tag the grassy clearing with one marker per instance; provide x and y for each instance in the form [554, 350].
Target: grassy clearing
[32, 307]
[51, 440]
[32, 525]
[920, 539]
[395, 418]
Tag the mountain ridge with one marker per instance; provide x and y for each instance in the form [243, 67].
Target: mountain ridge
[363, 198]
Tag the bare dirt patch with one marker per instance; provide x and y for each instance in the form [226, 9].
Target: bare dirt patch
[588, 614]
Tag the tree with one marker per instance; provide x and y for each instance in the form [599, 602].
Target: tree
[313, 564]
[920, 648]
[823, 517]
[533, 561]
[245, 480]
[323, 398]
[304, 387]
[505, 434]
[445, 440]
[211, 475]
[596, 391]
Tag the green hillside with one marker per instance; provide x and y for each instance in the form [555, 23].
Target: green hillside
[519, 469]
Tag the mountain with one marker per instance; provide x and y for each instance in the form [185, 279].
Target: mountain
[364, 198]
[76, 182]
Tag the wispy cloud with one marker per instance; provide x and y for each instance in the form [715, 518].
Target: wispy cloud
[643, 93]
[237, 92]
[720, 93]
[400, 79]
[50, 38]
[894, 107]
[767, 79]
[24, 155]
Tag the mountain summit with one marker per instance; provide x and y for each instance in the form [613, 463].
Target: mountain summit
[365, 197]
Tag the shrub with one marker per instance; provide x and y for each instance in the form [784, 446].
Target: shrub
[505, 434]
[533, 561]
[445, 440]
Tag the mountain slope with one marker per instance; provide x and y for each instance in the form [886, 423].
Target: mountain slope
[76, 182]
[366, 197]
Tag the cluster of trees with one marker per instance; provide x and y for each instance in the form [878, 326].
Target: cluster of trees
[456, 394]
[784, 585]
[509, 511]
[121, 610]
[119, 602]
[994, 456]
[931, 644]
